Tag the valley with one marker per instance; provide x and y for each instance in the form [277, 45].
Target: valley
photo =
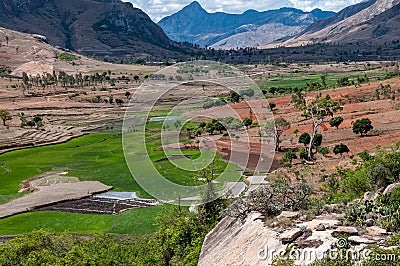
[208, 138]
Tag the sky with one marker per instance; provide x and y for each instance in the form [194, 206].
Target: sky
[157, 9]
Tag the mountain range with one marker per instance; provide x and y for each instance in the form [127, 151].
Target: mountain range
[110, 29]
[373, 21]
[193, 24]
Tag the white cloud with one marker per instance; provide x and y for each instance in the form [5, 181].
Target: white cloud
[157, 9]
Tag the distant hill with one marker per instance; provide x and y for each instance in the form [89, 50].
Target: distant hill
[374, 21]
[252, 28]
[108, 29]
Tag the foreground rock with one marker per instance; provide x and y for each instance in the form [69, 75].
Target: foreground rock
[290, 235]
[233, 242]
[52, 194]
[252, 243]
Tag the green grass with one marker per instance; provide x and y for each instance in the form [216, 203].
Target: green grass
[96, 157]
[135, 221]
[67, 57]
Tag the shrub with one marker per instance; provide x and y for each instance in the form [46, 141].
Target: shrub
[272, 200]
[66, 57]
[340, 149]
[323, 150]
[305, 139]
[303, 153]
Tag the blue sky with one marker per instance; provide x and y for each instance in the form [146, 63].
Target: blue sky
[157, 9]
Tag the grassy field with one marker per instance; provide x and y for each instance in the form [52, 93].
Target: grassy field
[136, 222]
[97, 157]
[93, 157]
[300, 81]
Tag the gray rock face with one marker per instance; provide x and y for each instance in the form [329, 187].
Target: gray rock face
[287, 215]
[376, 231]
[346, 230]
[252, 28]
[290, 235]
[360, 240]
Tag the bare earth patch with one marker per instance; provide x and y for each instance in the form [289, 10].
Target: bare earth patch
[46, 195]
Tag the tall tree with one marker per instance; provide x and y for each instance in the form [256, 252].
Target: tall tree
[318, 109]
[278, 126]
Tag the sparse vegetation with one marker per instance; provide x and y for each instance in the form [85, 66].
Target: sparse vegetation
[67, 57]
[5, 116]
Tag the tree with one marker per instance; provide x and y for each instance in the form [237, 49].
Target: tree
[37, 119]
[119, 101]
[281, 125]
[127, 94]
[336, 122]
[340, 149]
[210, 128]
[234, 97]
[5, 116]
[30, 123]
[318, 109]
[277, 128]
[219, 126]
[362, 126]
[247, 122]
[317, 140]
[305, 138]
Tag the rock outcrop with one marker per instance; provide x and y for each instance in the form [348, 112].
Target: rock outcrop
[251, 242]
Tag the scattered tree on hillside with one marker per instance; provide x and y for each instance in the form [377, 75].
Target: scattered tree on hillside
[210, 128]
[30, 123]
[318, 109]
[272, 106]
[247, 122]
[304, 138]
[278, 126]
[340, 149]
[119, 101]
[336, 122]
[234, 97]
[362, 126]
[5, 116]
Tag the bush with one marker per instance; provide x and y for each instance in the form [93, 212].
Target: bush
[323, 150]
[340, 149]
[305, 139]
[272, 200]
[303, 154]
[287, 158]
